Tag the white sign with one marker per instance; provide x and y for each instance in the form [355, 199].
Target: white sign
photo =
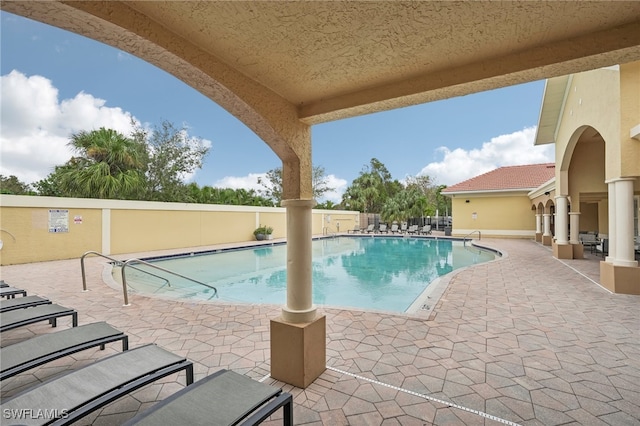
[58, 220]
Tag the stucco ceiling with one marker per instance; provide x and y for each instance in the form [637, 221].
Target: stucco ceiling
[338, 59]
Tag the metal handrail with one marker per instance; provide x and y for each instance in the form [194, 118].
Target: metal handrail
[124, 277]
[464, 239]
[118, 262]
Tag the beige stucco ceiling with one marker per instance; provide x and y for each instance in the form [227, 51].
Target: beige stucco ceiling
[338, 59]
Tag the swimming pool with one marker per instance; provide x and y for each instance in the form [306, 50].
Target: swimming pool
[382, 273]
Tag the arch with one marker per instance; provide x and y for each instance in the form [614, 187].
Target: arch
[269, 115]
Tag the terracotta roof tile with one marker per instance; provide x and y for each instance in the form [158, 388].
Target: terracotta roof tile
[512, 177]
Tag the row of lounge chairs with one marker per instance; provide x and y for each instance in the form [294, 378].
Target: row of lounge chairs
[223, 398]
[383, 229]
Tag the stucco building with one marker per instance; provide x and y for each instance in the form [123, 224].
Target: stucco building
[593, 118]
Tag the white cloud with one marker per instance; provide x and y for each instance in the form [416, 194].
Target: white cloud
[36, 126]
[237, 182]
[506, 150]
[251, 182]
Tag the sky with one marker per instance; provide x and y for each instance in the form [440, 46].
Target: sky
[55, 83]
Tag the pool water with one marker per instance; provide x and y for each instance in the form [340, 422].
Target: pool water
[379, 273]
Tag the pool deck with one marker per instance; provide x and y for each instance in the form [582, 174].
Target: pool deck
[526, 339]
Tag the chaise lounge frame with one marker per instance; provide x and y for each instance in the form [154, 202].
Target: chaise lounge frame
[223, 398]
[99, 384]
[12, 304]
[21, 317]
[39, 350]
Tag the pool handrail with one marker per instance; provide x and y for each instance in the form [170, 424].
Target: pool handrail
[151, 265]
[118, 263]
[464, 239]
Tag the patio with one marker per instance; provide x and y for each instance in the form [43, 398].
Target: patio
[527, 339]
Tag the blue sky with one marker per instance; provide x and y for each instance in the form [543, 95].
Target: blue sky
[55, 83]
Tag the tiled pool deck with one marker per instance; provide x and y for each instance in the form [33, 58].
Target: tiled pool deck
[527, 339]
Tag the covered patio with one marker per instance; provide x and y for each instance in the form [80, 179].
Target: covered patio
[504, 344]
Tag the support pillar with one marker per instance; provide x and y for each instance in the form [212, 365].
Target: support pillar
[547, 237]
[561, 248]
[574, 235]
[612, 222]
[538, 228]
[298, 337]
[620, 272]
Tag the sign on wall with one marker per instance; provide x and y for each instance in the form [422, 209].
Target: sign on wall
[58, 220]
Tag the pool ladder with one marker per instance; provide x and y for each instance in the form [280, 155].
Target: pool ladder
[128, 263]
[464, 239]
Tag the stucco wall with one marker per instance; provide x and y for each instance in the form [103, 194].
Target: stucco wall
[117, 227]
[500, 215]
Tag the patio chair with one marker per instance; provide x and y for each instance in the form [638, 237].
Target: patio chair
[382, 228]
[370, 228]
[426, 230]
[20, 317]
[22, 302]
[31, 353]
[11, 292]
[223, 398]
[589, 240]
[72, 396]
[403, 228]
[355, 230]
[413, 229]
[394, 229]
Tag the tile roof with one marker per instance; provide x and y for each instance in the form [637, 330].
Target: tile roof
[524, 177]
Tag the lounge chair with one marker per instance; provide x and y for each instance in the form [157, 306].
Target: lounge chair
[403, 228]
[413, 229]
[20, 317]
[370, 228]
[72, 396]
[22, 302]
[3, 284]
[383, 228]
[223, 398]
[11, 292]
[356, 230]
[394, 228]
[426, 230]
[22, 356]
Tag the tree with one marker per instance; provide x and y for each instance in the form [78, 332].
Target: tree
[370, 191]
[173, 156]
[272, 184]
[13, 185]
[107, 165]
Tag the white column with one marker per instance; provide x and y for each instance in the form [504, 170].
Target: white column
[624, 253]
[538, 223]
[547, 224]
[562, 227]
[574, 228]
[299, 307]
[611, 255]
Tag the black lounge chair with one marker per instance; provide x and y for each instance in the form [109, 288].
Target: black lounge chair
[11, 292]
[223, 398]
[22, 302]
[22, 356]
[72, 396]
[21, 317]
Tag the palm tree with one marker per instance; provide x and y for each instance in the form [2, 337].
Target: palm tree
[108, 165]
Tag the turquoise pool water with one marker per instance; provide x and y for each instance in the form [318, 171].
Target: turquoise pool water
[382, 273]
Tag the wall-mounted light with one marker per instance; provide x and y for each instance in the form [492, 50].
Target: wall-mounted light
[547, 193]
[466, 201]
